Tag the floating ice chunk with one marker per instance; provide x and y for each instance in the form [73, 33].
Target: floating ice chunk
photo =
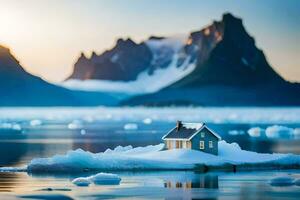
[82, 132]
[16, 127]
[147, 121]
[12, 126]
[75, 124]
[255, 132]
[279, 132]
[83, 182]
[274, 131]
[282, 181]
[297, 132]
[131, 126]
[236, 132]
[98, 179]
[105, 179]
[35, 122]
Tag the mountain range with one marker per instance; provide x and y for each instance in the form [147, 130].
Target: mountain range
[218, 65]
[19, 88]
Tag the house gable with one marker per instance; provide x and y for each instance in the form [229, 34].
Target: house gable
[204, 127]
[207, 142]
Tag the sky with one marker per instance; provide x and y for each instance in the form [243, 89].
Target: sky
[47, 36]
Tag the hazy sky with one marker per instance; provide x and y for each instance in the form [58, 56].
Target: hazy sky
[47, 36]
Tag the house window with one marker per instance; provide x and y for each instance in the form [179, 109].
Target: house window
[178, 144]
[202, 134]
[201, 144]
[210, 144]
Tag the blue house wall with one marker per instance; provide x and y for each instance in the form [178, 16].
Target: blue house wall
[208, 136]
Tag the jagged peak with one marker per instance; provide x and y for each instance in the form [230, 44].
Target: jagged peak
[153, 37]
[82, 56]
[128, 41]
[229, 17]
[94, 54]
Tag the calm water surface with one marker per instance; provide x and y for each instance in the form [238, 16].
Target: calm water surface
[23, 138]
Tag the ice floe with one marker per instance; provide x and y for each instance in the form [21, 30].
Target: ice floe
[131, 126]
[155, 157]
[10, 126]
[147, 121]
[236, 132]
[75, 124]
[98, 179]
[82, 182]
[255, 132]
[274, 132]
[35, 122]
[282, 181]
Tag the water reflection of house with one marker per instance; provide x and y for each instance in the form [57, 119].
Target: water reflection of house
[206, 181]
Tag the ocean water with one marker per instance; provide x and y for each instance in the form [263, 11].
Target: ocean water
[27, 133]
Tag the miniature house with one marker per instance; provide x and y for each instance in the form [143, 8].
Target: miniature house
[196, 136]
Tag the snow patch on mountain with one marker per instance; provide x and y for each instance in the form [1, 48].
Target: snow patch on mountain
[167, 50]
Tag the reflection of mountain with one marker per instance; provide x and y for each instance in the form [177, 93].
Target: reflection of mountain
[19, 88]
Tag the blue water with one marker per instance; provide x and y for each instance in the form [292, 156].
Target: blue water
[29, 133]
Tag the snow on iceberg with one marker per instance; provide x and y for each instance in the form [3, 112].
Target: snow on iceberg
[154, 158]
[98, 179]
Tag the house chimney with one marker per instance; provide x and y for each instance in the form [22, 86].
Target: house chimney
[178, 125]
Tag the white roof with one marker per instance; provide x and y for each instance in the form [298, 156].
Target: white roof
[196, 126]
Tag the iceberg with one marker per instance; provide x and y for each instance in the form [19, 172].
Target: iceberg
[105, 179]
[154, 157]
